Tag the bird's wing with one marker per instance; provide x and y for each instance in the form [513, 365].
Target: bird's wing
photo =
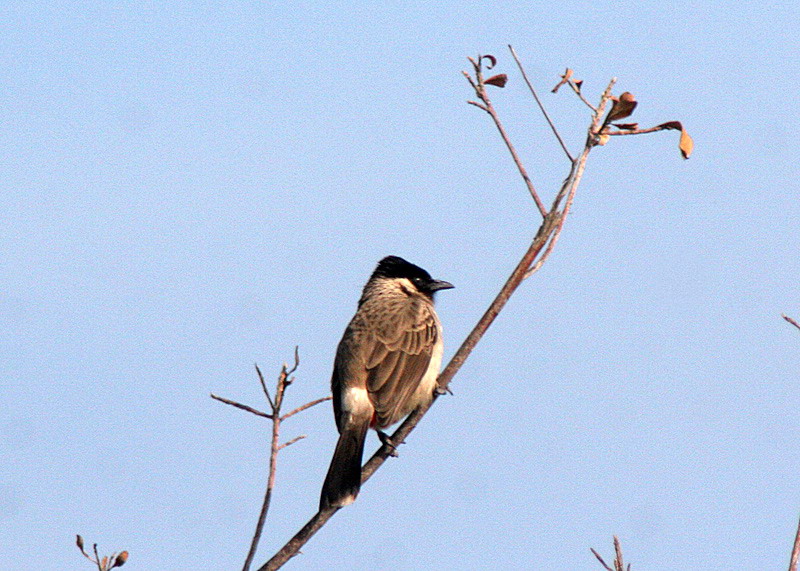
[397, 362]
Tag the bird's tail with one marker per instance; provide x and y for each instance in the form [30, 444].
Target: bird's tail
[344, 474]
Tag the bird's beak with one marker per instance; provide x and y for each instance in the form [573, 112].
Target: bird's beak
[436, 285]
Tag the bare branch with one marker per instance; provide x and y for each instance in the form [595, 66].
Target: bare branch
[618, 559]
[480, 90]
[655, 129]
[619, 565]
[575, 85]
[790, 320]
[571, 183]
[304, 407]
[576, 88]
[284, 380]
[264, 388]
[541, 107]
[241, 406]
[292, 441]
[478, 105]
[796, 548]
[564, 80]
[97, 558]
[600, 559]
[296, 360]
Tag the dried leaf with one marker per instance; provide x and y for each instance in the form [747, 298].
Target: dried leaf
[104, 562]
[120, 560]
[498, 80]
[79, 543]
[492, 59]
[686, 144]
[627, 126]
[578, 83]
[622, 107]
[564, 79]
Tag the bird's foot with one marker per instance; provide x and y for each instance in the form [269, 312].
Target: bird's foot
[387, 441]
[442, 390]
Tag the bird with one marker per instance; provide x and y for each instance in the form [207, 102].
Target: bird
[386, 366]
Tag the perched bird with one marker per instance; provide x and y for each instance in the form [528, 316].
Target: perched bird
[386, 366]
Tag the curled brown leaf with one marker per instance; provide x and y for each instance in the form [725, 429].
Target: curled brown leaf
[623, 107]
[498, 80]
[492, 60]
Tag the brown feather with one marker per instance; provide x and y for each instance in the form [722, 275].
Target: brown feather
[398, 361]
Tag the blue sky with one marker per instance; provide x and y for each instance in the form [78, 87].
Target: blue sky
[194, 187]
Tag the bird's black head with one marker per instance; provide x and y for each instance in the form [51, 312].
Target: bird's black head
[394, 267]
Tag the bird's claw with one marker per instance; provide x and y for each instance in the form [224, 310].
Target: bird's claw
[443, 390]
[387, 441]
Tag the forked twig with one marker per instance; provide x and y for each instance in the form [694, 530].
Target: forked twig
[284, 380]
[619, 565]
[480, 91]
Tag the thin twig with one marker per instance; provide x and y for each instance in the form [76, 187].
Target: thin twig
[478, 105]
[541, 106]
[264, 387]
[296, 359]
[600, 559]
[280, 387]
[790, 320]
[567, 79]
[283, 381]
[618, 563]
[262, 516]
[480, 91]
[304, 407]
[241, 406]
[619, 132]
[577, 91]
[571, 183]
[796, 548]
[292, 441]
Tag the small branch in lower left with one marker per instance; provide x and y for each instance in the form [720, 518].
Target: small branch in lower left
[275, 402]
